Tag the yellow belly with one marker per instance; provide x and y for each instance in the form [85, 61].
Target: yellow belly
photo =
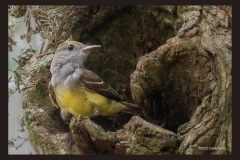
[86, 102]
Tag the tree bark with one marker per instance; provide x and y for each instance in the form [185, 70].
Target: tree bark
[175, 62]
[186, 84]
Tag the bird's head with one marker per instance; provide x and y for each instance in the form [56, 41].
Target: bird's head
[68, 61]
[73, 53]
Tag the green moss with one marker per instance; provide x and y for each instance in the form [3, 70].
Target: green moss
[36, 94]
[39, 143]
[152, 144]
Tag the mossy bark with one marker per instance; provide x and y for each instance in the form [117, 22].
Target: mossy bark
[186, 84]
[173, 61]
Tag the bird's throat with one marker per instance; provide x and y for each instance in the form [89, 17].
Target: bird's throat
[67, 75]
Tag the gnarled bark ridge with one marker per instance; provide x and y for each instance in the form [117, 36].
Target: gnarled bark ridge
[186, 84]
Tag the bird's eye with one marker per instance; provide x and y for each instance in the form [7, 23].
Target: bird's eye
[70, 47]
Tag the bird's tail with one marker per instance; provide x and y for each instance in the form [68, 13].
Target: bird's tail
[132, 109]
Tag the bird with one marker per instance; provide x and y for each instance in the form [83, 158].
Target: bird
[80, 91]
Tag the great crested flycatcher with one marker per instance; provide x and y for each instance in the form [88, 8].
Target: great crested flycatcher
[80, 91]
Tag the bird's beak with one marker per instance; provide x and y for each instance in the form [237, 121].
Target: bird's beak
[90, 48]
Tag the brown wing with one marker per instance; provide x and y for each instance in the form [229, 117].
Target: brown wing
[52, 95]
[96, 84]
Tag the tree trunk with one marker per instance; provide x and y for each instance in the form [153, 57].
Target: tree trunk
[175, 62]
[186, 84]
